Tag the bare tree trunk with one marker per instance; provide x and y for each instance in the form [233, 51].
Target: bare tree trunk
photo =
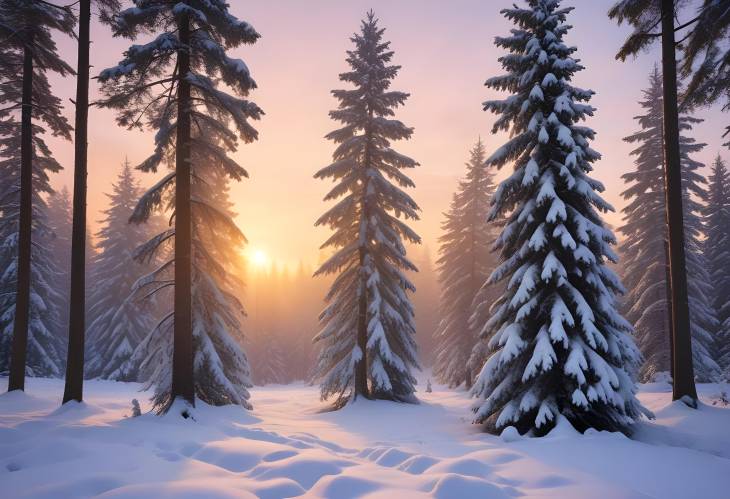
[183, 383]
[77, 302]
[684, 384]
[25, 219]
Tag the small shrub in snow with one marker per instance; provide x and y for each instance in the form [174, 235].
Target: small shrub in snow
[136, 411]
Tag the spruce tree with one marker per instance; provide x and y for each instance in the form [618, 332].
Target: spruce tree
[59, 245]
[223, 375]
[171, 84]
[464, 264]
[425, 302]
[645, 246]
[647, 16]
[717, 251]
[74, 382]
[46, 333]
[269, 358]
[118, 321]
[28, 109]
[561, 349]
[367, 337]
[705, 56]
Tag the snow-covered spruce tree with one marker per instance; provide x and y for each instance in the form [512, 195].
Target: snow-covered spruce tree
[425, 301]
[561, 349]
[644, 249]
[717, 253]
[222, 371]
[28, 110]
[705, 56]
[481, 309]
[74, 376]
[658, 20]
[268, 358]
[172, 84]
[464, 264]
[59, 245]
[46, 333]
[367, 345]
[118, 321]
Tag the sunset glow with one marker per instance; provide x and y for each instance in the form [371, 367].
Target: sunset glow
[258, 258]
[355, 248]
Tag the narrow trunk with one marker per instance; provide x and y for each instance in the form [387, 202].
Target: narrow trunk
[684, 385]
[668, 284]
[77, 302]
[22, 296]
[183, 384]
[668, 316]
[474, 289]
[361, 368]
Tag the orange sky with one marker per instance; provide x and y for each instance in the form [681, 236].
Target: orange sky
[446, 51]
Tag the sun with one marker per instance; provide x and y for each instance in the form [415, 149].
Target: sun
[259, 258]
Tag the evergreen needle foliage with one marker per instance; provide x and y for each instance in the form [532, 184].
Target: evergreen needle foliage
[369, 316]
[561, 349]
[464, 264]
[644, 249]
[145, 90]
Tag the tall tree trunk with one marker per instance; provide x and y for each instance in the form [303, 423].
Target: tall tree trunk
[668, 316]
[77, 301]
[668, 282]
[183, 383]
[361, 368]
[684, 384]
[22, 297]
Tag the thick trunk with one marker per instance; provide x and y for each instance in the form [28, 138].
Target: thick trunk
[22, 298]
[684, 385]
[77, 300]
[183, 384]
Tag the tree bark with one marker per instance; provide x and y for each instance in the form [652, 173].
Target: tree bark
[77, 301]
[183, 383]
[668, 290]
[19, 347]
[361, 368]
[684, 385]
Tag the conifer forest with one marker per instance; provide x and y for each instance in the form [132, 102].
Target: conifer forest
[343, 249]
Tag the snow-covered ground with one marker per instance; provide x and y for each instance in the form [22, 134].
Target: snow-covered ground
[287, 447]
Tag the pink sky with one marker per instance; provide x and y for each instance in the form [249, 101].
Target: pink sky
[446, 51]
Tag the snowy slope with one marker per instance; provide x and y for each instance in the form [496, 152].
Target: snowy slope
[287, 447]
